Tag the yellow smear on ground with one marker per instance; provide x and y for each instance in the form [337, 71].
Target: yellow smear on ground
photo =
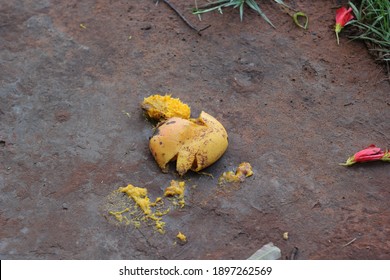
[176, 188]
[243, 170]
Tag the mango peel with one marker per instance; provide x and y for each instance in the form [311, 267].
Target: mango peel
[194, 143]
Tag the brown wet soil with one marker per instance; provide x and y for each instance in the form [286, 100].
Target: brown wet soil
[294, 103]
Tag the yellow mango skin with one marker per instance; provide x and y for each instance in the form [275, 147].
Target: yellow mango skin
[195, 143]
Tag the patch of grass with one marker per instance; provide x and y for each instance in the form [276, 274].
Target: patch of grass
[220, 4]
[373, 24]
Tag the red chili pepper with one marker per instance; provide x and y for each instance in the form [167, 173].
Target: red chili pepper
[343, 15]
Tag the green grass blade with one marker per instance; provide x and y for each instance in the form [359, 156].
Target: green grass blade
[355, 11]
[373, 23]
[253, 5]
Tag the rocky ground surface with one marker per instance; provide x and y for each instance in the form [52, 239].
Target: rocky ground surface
[294, 103]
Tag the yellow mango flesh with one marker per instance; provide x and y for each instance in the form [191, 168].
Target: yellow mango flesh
[244, 170]
[181, 236]
[139, 195]
[176, 188]
[159, 107]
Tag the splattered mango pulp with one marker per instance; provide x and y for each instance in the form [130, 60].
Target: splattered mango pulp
[118, 215]
[160, 107]
[139, 196]
[176, 189]
[181, 236]
[123, 211]
[135, 207]
[244, 170]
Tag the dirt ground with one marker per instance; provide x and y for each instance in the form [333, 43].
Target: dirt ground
[294, 103]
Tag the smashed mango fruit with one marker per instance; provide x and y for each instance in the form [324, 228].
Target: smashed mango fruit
[194, 143]
[176, 189]
[159, 107]
[243, 170]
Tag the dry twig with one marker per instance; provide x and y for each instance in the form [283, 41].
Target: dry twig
[349, 243]
[189, 24]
